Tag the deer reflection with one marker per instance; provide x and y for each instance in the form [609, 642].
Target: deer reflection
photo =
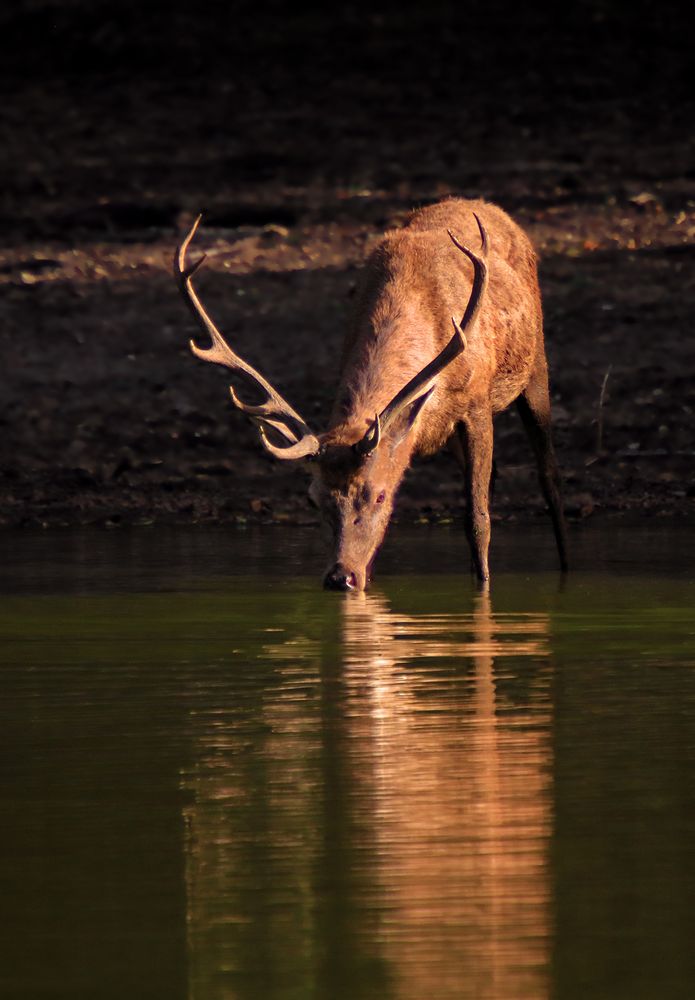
[373, 811]
[460, 768]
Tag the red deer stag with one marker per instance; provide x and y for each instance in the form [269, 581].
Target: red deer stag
[407, 386]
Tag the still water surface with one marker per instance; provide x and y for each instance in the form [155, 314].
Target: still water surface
[220, 782]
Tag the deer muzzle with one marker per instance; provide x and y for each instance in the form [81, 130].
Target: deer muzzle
[339, 577]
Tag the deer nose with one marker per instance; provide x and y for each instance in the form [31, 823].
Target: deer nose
[339, 578]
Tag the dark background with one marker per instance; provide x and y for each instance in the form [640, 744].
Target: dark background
[302, 134]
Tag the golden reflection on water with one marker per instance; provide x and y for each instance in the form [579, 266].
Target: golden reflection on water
[380, 815]
[462, 802]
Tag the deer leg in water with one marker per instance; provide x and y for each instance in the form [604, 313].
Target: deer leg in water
[475, 437]
[534, 408]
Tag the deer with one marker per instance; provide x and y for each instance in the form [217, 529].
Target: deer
[409, 384]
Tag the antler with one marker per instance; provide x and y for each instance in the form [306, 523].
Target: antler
[274, 415]
[414, 389]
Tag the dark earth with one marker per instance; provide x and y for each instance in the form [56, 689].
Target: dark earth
[302, 133]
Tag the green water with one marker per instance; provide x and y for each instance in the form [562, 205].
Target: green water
[220, 782]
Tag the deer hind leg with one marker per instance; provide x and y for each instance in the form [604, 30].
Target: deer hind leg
[475, 450]
[534, 408]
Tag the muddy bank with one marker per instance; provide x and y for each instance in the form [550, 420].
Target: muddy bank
[302, 138]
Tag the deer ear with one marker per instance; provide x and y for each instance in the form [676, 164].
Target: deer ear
[406, 420]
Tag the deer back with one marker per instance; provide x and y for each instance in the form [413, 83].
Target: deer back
[413, 282]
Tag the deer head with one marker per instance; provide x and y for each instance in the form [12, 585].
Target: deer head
[355, 472]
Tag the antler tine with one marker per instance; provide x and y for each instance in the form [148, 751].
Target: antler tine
[480, 278]
[370, 441]
[274, 414]
[306, 447]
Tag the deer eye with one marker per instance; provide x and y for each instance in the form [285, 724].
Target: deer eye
[381, 497]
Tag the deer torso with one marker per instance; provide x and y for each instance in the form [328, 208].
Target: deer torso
[413, 282]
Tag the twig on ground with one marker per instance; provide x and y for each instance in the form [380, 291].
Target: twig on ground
[599, 418]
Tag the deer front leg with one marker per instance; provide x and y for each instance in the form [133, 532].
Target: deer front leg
[456, 449]
[475, 437]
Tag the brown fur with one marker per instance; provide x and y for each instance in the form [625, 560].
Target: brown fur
[413, 283]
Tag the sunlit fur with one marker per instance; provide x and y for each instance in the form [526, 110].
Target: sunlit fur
[413, 283]
[356, 495]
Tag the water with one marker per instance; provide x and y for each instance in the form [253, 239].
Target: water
[220, 782]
